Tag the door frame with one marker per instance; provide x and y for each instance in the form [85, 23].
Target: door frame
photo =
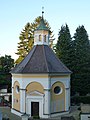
[34, 98]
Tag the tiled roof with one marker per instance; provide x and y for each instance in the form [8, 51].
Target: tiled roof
[41, 59]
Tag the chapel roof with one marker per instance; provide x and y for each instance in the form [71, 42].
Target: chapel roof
[41, 59]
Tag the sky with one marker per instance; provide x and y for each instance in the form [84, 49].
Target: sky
[14, 14]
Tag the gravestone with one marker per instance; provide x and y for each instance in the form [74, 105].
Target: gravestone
[0, 116]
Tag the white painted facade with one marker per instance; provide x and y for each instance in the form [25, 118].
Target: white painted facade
[38, 98]
[44, 37]
[43, 99]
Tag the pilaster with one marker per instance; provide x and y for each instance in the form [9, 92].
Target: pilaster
[12, 96]
[67, 99]
[22, 100]
[47, 102]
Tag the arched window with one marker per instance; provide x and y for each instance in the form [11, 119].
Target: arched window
[17, 89]
[44, 38]
[40, 37]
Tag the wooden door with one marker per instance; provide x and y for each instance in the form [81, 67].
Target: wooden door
[34, 108]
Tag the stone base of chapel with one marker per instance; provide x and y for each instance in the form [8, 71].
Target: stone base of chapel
[59, 114]
[53, 115]
[16, 112]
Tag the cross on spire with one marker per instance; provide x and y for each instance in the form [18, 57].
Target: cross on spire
[42, 11]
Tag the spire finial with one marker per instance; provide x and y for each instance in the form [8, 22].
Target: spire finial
[42, 11]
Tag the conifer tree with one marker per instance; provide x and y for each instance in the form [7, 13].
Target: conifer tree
[27, 38]
[64, 46]
[75, 54]
[26, 42]
[81, 66]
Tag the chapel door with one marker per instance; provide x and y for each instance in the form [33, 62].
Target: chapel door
[34, 108]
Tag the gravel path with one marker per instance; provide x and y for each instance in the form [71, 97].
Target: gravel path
[6, 111]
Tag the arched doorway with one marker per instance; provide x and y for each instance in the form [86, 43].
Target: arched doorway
[34, 99]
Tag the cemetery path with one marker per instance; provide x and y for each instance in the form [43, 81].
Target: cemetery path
[6, 112]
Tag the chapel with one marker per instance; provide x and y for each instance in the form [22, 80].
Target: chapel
[41, 82]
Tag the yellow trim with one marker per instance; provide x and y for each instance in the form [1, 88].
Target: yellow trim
[34, 86]
[16, 97]
[41, 32]
[61, 85]
[59, 76]
[34, 94]
[38, 76]
[29, 76]
[58, 97]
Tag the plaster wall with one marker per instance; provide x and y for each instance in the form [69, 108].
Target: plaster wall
[65, 97]
[25, 79]
[43, 33]
[45, 83]
[58, 100]
[16, 97]
[34, 86]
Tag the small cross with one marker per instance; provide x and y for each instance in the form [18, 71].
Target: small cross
[42, 11]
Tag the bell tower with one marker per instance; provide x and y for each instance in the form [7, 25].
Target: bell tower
[41, 34]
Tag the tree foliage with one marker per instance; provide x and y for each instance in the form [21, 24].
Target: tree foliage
[64, 45]
[27, 38]
[6, 63]
[75, 54]
[81, 66]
